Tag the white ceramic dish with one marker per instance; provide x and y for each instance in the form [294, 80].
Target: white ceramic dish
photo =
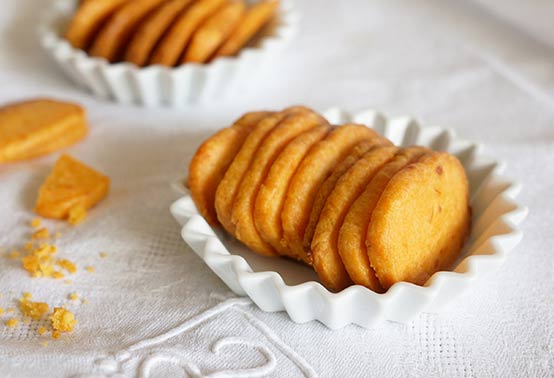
[281, 285]
[158, 85]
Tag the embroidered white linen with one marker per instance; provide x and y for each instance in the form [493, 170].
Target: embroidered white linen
[155, 310]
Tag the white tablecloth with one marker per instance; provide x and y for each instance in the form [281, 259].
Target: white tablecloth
[154, 309]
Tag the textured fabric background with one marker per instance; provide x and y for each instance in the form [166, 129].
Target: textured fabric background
[449, 62]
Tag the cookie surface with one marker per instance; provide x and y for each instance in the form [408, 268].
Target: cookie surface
[175, 41]
[326, 258]
[272, 193]
[421, 221]
[352, 234]
[118, 29]
[312, 172]
[256, 17]
[214, 32]
[88, 19]
[37, 127]
[151, 30]
[211, 160]
[243, 206]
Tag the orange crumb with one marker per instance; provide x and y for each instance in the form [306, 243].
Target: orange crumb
[41, 234]
[77, 214]
[13, 255]
[41, 330]
[62, 320]
[57, 275]
[27, 295]
[12, 322]
[90, 269]
[44, 343]
[35, 223]
[35, 310]
[103, 255]
[67, 265]
[73, 296]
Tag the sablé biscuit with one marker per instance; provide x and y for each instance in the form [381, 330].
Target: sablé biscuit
[37, 127]
[312, 172]
[214, 32]
[352, 234]
[152, 29]
[256, 17]
[118, 29]
[211, 160]
[271, 196]
[71, 184]
[228, 187]
[420, 222]
[269, 149]
[324, 247]
[88, 19]
[175, 41]
[329, 184]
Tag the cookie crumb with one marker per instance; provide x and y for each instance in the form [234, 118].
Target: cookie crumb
[44, 343]
[29, 246]
[41, 330]
[90, 269]
[11, 310]
[35, 223]
[35, 310]
[57, 275]
[73, 296]
[1, 310]
[13, 255]
[68, 282]
[12, 322]
[43, 233]
[58, 235]
[62, 320]
[69, 266]
[27, 295]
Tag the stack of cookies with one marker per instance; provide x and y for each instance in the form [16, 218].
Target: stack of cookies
[167, 32]
[342, 199]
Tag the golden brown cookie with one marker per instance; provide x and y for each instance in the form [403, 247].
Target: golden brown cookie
[271, 196]
[211, 160]
[70, 185]
[310, 175]
[37, 127]
[175, 41]
[152, 29]
[88, 19]
[228, 187]
[324, 248]
[214, 32]
[420, 222]
[118, 29]
[256, 17]
[329, 184]
[243, 205]
[352, 234]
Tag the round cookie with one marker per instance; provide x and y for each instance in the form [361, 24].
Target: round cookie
[326, 258]
[420, 222]
[151, 30]
[211, 160]
[329, 184]
[312, 172]
[118, 29]
[214, 32]
[267, 152]
[352, 234]
[175, 41]
[256, 17]
[271, 196]
[88, 19]
[228, 187]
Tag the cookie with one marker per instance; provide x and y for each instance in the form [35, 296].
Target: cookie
[211, 160]
[70, 185]
[324, 248]
[243, 205]
[352, 234]
[37, 127]
[271, 196]
[310, 175]
[420, 222]
[256, 17]
[175, 41]
[118, 29]
[88, 19]
[151, 30]
[214, 32]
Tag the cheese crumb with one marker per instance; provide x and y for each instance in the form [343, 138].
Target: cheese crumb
[41, 330]
[29, 246]
[77, 214]
[56, 335]
[58, 235]
[13, 255]
[13, 322]
[1, 310]
[27, 295]
[44, 343]
[68, 282]
[35, 223]
[62, 320]
[73, 296]
[11, 310]
[57, 275]
[84, 301]
[41, 234]
[35, 310]
[90, 269]
[103, 255]
[67, 265]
